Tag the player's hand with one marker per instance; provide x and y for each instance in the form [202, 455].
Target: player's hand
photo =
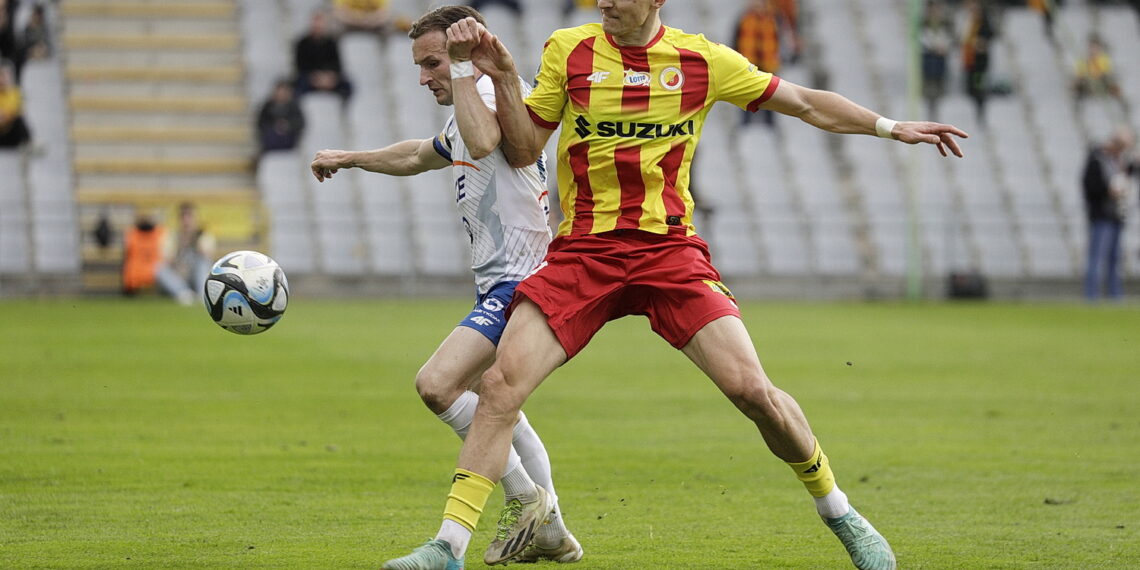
[462, 37]
[327, 162]
[937, 134]
[492, 58]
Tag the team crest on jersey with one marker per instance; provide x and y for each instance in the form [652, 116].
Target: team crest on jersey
[636, 78]
[671, 78]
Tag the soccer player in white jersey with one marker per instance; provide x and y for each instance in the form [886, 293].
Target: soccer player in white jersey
[504, 211]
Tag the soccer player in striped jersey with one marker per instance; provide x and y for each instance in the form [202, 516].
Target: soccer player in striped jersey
[504, 211]
[631, 96]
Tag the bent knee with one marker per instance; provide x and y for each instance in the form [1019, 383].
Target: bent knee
[436, 392]
[499, 396]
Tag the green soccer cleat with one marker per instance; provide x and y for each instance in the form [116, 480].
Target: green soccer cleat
[868, 549]
[567, 551]
[517, 524]
[433, 555]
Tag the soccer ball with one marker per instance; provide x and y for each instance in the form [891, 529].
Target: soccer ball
[246, 292]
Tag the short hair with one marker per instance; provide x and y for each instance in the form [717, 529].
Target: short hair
[441, 18]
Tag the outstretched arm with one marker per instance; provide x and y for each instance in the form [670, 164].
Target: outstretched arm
[400, 159]
[522, 140]
[835, 113]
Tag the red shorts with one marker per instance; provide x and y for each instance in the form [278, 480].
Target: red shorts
[586, 281]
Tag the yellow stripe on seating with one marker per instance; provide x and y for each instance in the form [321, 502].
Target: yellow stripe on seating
[220, 74]
[217, 165]
[169, 9]
[222, 134]
[152, 42]
[165, 197]
[152, 104]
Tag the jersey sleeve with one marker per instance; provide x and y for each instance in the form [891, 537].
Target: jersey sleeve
[738, 81]
[546, 102]
[442, 142]
[486, 89]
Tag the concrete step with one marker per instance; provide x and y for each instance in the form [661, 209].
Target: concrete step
[111, 134]
[156, 58]
[151, 73]
[86, 26]
[161, 150]
[152, 9]
[171, 104]
[177, 166]
[156, 197]
[105, 42]
[138, 181]
[158, 119]
[158, 90]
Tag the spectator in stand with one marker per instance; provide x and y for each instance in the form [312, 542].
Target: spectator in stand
[13, 128]
[789, 12]
[980, 33]
[1095, 75]
[142, 254]
[37, 35]
[280, 121]
[177, 263]
[11, 49]
[363, 16]
[757, 37]
[317, 59]
[936, 38]
[190, 252]
[1105, 183]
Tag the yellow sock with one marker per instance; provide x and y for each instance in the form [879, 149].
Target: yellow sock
[815, 473]
[469, 492]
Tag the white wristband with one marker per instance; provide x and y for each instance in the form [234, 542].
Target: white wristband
[883, 126]
[461, 69]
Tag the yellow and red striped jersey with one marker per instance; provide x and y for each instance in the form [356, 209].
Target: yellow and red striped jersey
[631, 118]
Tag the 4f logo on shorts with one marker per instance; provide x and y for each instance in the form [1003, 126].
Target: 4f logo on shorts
[719, 288]
[482, 321]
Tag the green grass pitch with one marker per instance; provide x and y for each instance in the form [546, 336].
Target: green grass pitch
[137, 434]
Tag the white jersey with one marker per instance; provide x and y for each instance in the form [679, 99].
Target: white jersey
[503, 209]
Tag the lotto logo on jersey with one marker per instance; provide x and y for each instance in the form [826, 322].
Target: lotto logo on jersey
[635, 78]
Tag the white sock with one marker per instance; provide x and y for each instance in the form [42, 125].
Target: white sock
[459, 416]
[537, 464]
[456, 535]
[832, 505]
[518, 485]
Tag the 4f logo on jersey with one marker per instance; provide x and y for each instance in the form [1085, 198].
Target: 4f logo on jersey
[631, 78]
[598, 76]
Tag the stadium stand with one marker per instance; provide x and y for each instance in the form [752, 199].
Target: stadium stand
[151, 103]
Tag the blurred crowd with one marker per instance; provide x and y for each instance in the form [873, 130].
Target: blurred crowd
[24, 35]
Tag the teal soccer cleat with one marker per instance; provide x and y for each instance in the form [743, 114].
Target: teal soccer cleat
[433, 555]
[868, 549]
